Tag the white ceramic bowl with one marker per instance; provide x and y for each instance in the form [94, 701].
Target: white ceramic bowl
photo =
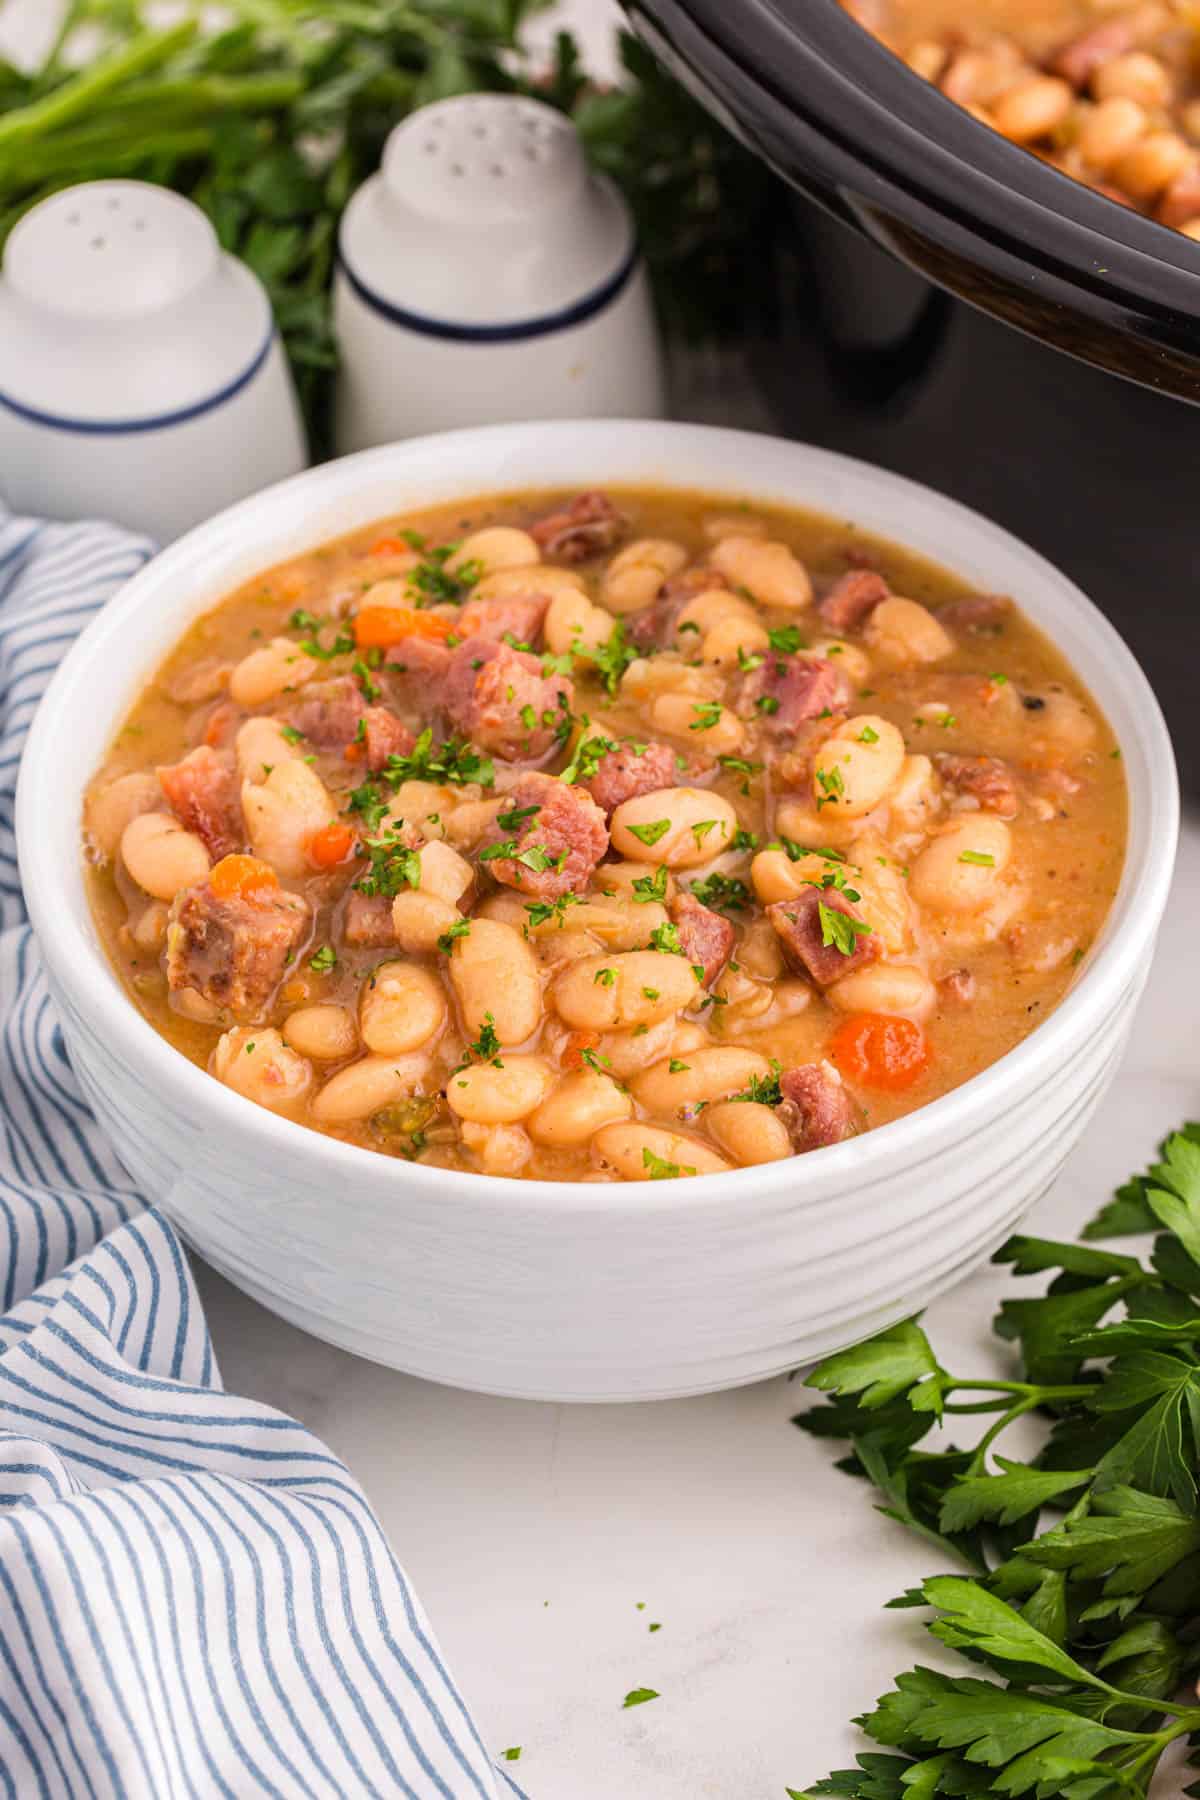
[548, 1290]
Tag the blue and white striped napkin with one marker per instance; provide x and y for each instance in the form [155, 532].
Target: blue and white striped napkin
[195, 1597]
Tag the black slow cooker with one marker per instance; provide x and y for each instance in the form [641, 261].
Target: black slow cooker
[963, 312]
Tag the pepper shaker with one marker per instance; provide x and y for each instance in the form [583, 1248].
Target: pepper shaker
[141, 376]
[487, 274]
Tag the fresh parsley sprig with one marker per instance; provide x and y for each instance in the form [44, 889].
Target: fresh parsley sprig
[1082, 1636]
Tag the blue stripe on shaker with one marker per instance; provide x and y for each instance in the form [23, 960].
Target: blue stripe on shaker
[516, 332]
[184, 415]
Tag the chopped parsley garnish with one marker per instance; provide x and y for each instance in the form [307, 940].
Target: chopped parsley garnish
[528, 717]
[868, 735]
[701, 829]
[763, 1090]
[839, 929]
[455, 762]
[651, 887]
[659, 1169]
[540, 911]
[708, 714]
[431, 583]
[983, 859]
[650, 834]
[513, 1754]
[449, 937]
[832, 787]
[371, 689]
[665, 937]
[748, 660]
[724, 893]
[596, 1059]
[786, 639]
[589, 753]
[370, 802]
[738, 765]
[650, 993]
[998, 679]
[486, 1047]
[514, 818]
[675, 1067]
[604, 978]
[612, 658]
[324, 959]
[391, 865]
[291, 734]
[744, 840]
[767, 703]
[948, 721]
[532, 856]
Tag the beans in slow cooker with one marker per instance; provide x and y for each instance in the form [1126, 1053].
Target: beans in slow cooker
[604, 837]
[1108, 94]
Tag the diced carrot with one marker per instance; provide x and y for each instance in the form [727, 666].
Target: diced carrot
[378, 627]
[353, 751]
[331, 845]
[391, 546]
[880, 1051]
[242, 878]
[575, 1044]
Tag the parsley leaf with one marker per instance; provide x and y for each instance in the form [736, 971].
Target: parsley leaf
[724, 893]
[455, 762]
[839, 929]
[639, 1696]
[392, 865]
[650, 887]
[650, 834]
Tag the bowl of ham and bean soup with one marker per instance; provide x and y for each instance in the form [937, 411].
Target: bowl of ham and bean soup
[599, 910]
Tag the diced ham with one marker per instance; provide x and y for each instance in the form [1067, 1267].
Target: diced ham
[384, 735]
[976, 612]
[958, 987]
[500, 699]
[567, 828]
[629, 770]
[988, 780]
[707, 937]
[233, 950]
[423, 661]
[816, 1107]
[518, 616]
[590, 524]
[653, 628]
[797, 924]
[1078, 61]
[795, 689]
[328, 715]
[367, 920]
[1181, 201]
[851, 598]
[204, 793]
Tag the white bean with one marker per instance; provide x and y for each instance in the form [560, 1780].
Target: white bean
[261, 746]
[706, 724]
[582, 1104]
[748, 1132]
[765, 568]
[419, 920]
[495, 547]
[400, 1008]
[109, 809]
[906, 632]
[523, 582]
[854, 769]
[496, 980]
[885, 987]
[649, 1153]
[634, 987]
[618, 878]
[574, 624]
[161, 856]
[444, 873]
[499, 1093]
[635, 574]
[681, 827]
[960, 870]
[499, 1149]
[702, 1075]
[366, 1085]
[275, 669]
[259, 1065]
[324, 1032]
[283, 813]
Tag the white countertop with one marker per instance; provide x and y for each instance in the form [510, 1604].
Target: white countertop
[533, 1532]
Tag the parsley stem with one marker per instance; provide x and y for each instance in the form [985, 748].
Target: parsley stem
[1068, 1391]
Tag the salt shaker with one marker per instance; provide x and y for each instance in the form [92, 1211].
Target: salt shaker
[487, 274]
[141, 376]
